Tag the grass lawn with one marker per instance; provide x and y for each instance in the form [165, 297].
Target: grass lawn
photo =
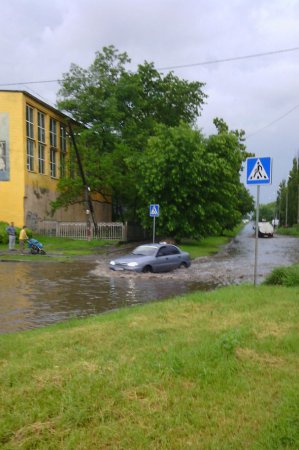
[66, 248]
[60, 248]
[209, 370]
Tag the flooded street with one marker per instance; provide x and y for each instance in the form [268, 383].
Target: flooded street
[38, 294]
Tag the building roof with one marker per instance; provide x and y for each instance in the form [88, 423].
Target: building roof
[52, 108]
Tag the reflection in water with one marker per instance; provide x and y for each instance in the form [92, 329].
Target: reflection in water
[34, 295]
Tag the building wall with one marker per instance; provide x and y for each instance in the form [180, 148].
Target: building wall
[37, 206]
[25, 192]
[12, 176]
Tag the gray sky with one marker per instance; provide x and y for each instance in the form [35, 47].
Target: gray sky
[40, 39]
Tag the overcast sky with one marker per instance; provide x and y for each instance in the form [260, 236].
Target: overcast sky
[40, 40]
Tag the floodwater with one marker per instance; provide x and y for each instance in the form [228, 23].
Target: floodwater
[38, 294]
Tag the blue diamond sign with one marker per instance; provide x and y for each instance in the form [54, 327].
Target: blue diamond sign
[259, 170]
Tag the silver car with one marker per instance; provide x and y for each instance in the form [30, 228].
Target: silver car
[152, 258]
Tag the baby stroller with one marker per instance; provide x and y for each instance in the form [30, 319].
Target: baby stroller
[36, 247]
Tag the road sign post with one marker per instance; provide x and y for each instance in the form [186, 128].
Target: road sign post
[154, 212]
[259, 171]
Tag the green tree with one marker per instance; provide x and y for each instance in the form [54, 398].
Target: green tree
[196, 181]
[267, 212]
[120, 110]
[288, 197]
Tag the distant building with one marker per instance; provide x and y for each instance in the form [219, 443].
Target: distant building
[34, 154]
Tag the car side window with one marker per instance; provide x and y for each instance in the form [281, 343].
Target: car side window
[168, 250]
[172, 250]
[162, 252]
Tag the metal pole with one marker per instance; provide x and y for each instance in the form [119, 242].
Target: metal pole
[154, 226]
[256, 232]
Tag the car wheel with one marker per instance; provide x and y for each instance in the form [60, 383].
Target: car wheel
[183, 265]
[146, 269]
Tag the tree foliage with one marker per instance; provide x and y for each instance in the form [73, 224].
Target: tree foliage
[288, 197]
[120, 110]
[196, 181]
[138, 143]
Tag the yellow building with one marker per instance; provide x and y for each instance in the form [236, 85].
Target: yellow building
[34, 154]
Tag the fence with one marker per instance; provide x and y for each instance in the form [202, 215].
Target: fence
[80, 230]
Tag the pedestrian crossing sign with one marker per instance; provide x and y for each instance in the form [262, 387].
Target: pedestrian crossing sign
[259, 170]
[154, 210]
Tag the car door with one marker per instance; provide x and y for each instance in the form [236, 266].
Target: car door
[174, 257]
[167, 258]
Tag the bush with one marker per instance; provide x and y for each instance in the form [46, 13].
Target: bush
[3, 233]
[284, 276]
[289, 231]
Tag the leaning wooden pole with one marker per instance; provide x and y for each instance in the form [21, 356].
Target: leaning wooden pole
[82, 174]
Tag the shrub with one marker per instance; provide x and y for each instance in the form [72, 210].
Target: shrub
[3, 233]
[284, 276]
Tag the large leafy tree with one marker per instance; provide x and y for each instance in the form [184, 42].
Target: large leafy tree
[120, 110]
[138, 144]
[195, 180]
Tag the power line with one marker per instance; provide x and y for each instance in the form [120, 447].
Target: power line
[236, 58]
[216, 61]
[273, 121]
[29, 82]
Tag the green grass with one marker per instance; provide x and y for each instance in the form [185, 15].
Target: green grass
[60, 248]
[65, 248]
[74, 247]
[216, 370]
[205, 247]
[210, 245]
[289, 231]
[284, 276]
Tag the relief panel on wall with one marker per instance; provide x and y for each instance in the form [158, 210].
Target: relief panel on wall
[4, 147]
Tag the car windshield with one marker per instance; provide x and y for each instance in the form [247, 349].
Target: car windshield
[145, 250]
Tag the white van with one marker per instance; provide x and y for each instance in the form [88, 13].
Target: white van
[265, 229]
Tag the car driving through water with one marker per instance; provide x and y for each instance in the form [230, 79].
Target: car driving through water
[152, 258]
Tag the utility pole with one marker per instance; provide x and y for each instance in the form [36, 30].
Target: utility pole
[298, 188]
[287, 201]
[89, 205]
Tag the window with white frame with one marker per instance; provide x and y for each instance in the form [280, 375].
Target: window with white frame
[30, 155]
[62, 165]
[53, 133]
[41, 130]
[53, 168]
[41, 158]
[62, 150]
[41, 137]
[62, 138]
[30, 137]
[29, 122]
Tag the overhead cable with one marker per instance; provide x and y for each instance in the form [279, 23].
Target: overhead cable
[181, 66]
